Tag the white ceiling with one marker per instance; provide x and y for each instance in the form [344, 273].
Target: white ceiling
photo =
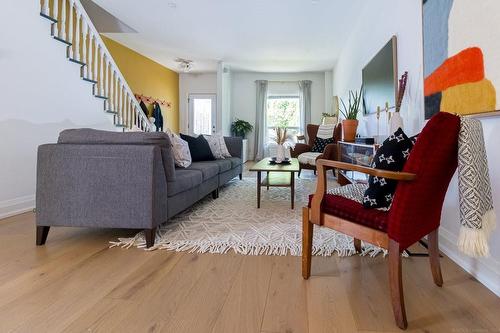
[247, 35]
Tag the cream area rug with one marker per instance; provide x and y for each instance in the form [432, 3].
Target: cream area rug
[234, 223]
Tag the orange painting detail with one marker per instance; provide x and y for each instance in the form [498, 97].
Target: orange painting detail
[469, 98]
[464, 67]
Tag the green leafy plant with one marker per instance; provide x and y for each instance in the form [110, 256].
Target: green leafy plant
[241, 128]
[350, 111]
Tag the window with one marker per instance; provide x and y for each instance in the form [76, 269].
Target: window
[283, 111]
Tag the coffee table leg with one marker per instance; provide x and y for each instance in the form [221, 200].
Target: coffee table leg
[258, 188]
[292, 186]
[268, 180]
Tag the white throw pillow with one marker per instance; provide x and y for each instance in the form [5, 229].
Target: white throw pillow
[214, 144]
[325, 131]
[217, 145]
[223, 146]
[180, 147]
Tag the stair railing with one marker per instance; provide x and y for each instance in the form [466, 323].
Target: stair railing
[72, 25]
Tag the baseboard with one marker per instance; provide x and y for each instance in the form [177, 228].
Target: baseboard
[485, 270]
[16, 206]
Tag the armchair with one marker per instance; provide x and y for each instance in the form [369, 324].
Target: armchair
[307, 159]
[415, 211]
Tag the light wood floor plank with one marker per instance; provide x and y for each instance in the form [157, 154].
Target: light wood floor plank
[75, 283]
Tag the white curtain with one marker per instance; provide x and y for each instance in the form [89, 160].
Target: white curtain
[260, 120]
[305, 105]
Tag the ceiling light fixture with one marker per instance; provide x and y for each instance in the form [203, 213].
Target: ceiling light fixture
[185, 65]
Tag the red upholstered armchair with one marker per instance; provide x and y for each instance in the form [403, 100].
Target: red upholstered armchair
[309, 160]
[415, 211]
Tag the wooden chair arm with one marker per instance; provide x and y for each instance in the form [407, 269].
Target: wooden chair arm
[395, 175]
[323, 165]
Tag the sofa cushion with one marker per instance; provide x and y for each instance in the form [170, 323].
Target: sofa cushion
[92, 136]
[185, 180]
[199, 148]
[208, 169]
[235, 161]
[224, 165]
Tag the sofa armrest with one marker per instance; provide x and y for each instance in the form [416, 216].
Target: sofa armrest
[234, 145]
[111, 186]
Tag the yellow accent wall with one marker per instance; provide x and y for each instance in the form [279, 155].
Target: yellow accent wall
[147, 77]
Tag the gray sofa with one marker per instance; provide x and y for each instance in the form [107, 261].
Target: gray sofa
[93, 178]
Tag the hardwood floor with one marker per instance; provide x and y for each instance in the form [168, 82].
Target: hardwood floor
[76, 284]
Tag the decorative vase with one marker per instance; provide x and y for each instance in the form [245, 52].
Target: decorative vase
[349, 127]
[396, 122]
[280, 153]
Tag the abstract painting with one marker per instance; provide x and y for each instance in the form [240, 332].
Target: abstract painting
[461, 56]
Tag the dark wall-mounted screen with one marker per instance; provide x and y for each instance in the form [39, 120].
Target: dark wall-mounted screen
[380, 79]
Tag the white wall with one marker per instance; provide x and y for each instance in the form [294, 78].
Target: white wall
[366, 39]
[205, 83]
[243, 91]
[42, 94]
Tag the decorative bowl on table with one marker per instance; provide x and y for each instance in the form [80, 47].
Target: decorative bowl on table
[273, 161]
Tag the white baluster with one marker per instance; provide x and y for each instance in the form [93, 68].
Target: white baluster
[55, 15]
[111, 101]
[89, 59]
[63, 19]
[105, 75]
[77, 35]
[96, 59]
[106, 78]
[84, 43]
[45, 7]
[101, 71]
[70, 28]
[119, 100]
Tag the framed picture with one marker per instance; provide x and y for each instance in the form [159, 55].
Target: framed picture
[461, 56]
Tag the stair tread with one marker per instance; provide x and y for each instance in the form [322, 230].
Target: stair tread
[100, 96]
[89, 80]
[62, 40]
[76, 61]
[50, 18]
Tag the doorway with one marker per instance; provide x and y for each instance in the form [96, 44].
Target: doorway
[202, 114]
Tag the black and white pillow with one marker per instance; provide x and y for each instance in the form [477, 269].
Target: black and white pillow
[392, 155]
[320, 144]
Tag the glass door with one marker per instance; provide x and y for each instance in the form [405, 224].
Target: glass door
[202, 114]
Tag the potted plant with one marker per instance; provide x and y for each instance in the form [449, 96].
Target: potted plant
[350, 113]
[241, 128]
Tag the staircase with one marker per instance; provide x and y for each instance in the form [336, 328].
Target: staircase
[72, 26]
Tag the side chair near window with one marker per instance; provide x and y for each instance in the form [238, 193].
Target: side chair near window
[415, 211]
[303, 151]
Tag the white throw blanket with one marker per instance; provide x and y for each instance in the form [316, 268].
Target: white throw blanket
[477, 216]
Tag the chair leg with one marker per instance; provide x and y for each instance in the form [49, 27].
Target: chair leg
[315, 172]
[396, 285]
[307, 237]
[357, 245]
[300, 169]
[433, 244]
[150, 237]
[42, 232]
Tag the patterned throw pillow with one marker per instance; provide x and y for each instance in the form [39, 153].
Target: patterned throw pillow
[392, 155]
[182, 156]
[320, 144]
[215, 147]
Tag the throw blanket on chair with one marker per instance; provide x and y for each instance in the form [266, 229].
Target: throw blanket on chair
[477, 216]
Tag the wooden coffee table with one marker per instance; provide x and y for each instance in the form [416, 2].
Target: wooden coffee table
[278, 175]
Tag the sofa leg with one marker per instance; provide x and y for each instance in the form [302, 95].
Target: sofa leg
[42, 232]
[215, 194]
[150, 237]
[241, 176]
